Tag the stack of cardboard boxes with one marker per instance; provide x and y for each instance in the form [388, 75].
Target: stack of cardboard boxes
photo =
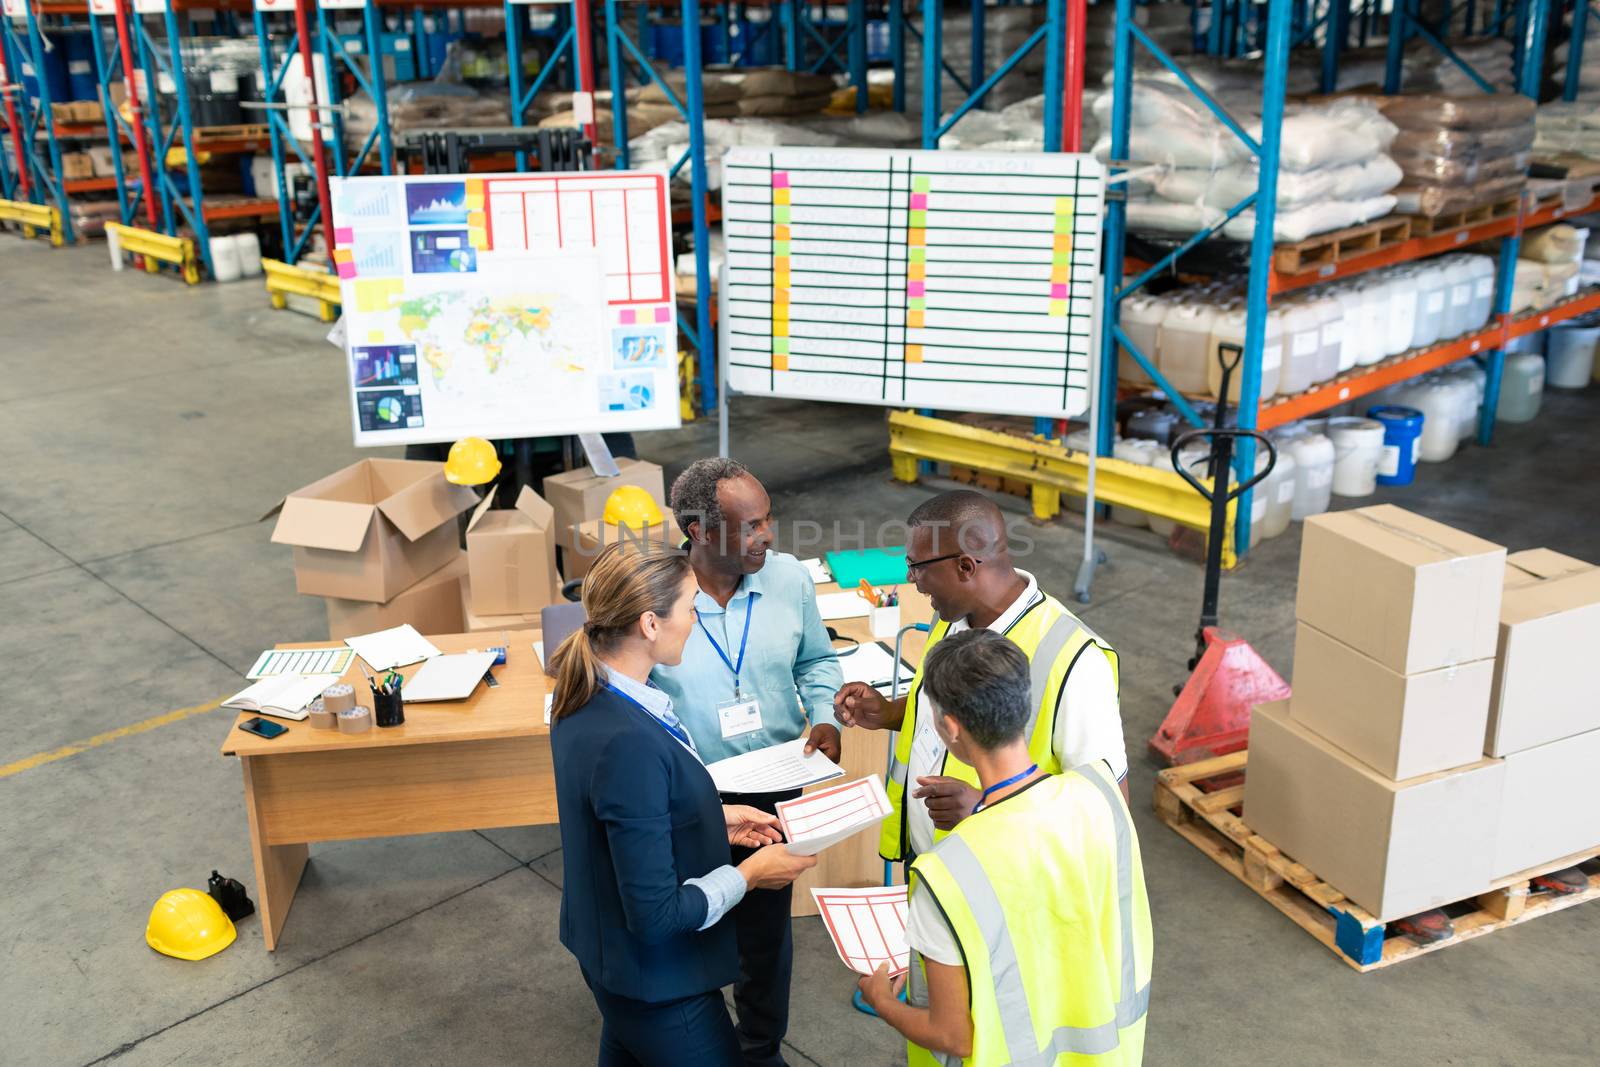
[1374, 773]
[511, 565]
[579, 500]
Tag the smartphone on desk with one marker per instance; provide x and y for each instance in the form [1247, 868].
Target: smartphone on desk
[263, 728]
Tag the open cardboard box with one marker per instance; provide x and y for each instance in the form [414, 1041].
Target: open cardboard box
[472, 622]
[511, 555]
[579, 496]
[433, 606]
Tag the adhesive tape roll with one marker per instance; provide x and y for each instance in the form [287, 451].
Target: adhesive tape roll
[322, 717]
[355, 720]
[339, 698]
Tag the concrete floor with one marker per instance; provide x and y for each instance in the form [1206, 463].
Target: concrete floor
[146, 428]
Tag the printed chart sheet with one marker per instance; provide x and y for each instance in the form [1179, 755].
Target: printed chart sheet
[958, 280]
[868, 926]
[817, 820]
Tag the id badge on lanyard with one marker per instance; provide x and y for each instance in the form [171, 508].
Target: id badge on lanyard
[742, 714]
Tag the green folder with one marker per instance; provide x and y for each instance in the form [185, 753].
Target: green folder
[879, 566]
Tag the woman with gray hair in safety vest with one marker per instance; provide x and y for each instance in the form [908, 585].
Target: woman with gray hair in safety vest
[1035, 903]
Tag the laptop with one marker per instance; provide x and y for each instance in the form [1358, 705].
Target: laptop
[557, 623]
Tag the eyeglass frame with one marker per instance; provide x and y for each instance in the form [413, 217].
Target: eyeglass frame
[922, 564]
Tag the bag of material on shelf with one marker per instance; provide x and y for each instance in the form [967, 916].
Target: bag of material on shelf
[1325, 135]
[1431, 200]
[1465, 170]
[1168, 216]
[1226, 187]
[1427, 69]
[1444, 143]
[1554, 244]
[1168, 125]
[1312, 219]
[1430, 112]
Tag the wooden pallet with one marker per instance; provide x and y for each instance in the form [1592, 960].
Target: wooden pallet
[1430, 226]
[204, 135]
[1199, 801]
[1326, 249]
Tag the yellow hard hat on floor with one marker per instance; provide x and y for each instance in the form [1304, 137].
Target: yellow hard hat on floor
[188, 924]
[472, 461]
[633, 507]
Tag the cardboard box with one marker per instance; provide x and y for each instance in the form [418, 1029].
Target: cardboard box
[1413, 594]
[511, 554]
[1547, 674]
[594, 536]
[76, 165]
[1548, 810]
[87, 112]
[373, 529]
[1400, 725]
[580, 495]
[433, 606]
[1395, 848]
[472, 623]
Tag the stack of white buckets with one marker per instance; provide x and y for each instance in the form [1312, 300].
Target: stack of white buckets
[235, 257]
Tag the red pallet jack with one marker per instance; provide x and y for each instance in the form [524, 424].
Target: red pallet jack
[1211, 716]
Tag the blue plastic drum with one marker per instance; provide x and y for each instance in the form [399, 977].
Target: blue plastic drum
[1402, 430]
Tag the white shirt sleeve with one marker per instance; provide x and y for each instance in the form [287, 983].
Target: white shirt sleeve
[928, 933]
[1088, 718]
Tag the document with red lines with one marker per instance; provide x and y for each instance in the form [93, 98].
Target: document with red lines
[868, 926]
[816, 820]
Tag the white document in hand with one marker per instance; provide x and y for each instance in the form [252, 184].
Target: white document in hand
[395, 647]
[868, 926]
[773, 769]
[828, 816]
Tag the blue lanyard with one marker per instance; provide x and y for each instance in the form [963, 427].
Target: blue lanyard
[749, 610]
[1013, 780]
[678, 732]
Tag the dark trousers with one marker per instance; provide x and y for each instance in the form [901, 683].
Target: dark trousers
[766, 955]
[634, 1033]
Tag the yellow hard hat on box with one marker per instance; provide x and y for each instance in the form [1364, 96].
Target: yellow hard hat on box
[633, 507]
[472, 461]
[188, 924]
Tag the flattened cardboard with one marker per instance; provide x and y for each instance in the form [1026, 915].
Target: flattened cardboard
[579, 496]
[432, 605]
[1400, 725]
[1393, 848]
[1413, 594]
[371, 530]
[1548, 811]
[1547, 675]
[511, 555]
[472, 622]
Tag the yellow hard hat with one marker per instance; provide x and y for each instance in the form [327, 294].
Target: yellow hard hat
[472, 461]
[633, 507]
[188, 924]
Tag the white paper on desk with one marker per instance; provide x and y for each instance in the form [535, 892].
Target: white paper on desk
[873, 664]
[868, 926]
[451, 677]
[773, 769]
[276, 661]
[818, 571]
[823, 818]
[397, 647]
[851, 605]
[549, 703]
[538, 650]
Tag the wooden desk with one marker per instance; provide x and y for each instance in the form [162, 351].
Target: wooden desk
[467, 765]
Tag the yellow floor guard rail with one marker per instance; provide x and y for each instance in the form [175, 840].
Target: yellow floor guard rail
[34, 217]
[156, 248]
[285, 280]
[1050, 469]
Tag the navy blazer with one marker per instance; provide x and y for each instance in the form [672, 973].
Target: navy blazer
[639, 814]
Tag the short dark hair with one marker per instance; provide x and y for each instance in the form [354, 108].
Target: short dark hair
[694, 492]
[980, 679]
[974, 519]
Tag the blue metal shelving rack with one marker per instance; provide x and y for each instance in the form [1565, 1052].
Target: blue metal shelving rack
[26, 50]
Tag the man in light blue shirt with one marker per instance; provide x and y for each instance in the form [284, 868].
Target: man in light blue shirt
[758, 663]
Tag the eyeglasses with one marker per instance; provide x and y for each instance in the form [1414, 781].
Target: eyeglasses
[915, 565]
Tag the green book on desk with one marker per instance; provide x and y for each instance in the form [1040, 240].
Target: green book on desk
[879, 566]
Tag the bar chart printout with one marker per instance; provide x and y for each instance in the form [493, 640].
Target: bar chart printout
[957, 280]
[868, 926]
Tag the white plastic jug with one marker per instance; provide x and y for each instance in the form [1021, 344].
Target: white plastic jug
[1482, 291]
[1521, 388]
[1397, 311]
[1330, 319]
[249, 246]
[1429, 281]
[1228, 328]
[225, 259]
[1141, 321]
[1358, 341]
[1357, 446]
[1440, 404]
[1460, 277]
[1313, 474]
[1183, 340]
[1277, 489]
[1302, 345]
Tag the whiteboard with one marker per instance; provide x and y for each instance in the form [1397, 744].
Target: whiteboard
[959, 280]
[506, 305]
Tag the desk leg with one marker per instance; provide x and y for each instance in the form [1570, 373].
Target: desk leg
[278, 867]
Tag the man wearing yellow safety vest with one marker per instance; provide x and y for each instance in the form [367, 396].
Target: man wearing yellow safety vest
[957, 554]
[1029, 926]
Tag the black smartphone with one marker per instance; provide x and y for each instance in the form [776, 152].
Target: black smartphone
[263, 728]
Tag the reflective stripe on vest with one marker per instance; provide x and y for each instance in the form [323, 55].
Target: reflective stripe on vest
[1016, 1018]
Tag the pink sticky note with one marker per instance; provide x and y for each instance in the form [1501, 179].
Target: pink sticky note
[663, 314]
[780, 180]
[914, 288]
[347, 270]
[919, 200]
[344, 235]
[625, 316]
[1058, 291]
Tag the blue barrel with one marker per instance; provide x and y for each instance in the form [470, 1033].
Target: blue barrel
[1402, 429]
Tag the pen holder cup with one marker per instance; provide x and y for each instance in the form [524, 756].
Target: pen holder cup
[388, 709]
[886, 622]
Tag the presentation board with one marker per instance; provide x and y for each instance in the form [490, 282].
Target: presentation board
[959, 280]
[506, 305]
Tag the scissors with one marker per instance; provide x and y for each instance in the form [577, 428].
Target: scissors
[868, 593]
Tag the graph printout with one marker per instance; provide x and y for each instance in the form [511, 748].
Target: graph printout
[956, 280]
[825, 817]
[868, 926]
[506, 305]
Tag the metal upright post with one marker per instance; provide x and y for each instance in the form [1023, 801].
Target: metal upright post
[270, 85]
[1580, 19]
[102, 75]
[932, 73]
[897, 52]
[136, 109]
[694, 101]
[583, 46]
[619, 83]
[978, 73]
[325, 42]
[1336, 33]
[372, 19]
[1074, 66]
[319, 155]
[793, 46]
[57, 184]
[1117, 214]
[1394, 59]
[1055, 90]
[1274, 86]
[185, 116]
[856, 13]
[514, 14]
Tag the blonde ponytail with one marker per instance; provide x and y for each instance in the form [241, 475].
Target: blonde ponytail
[627, 580]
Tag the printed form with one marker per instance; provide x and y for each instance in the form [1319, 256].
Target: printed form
[817, 820]
[868, 926]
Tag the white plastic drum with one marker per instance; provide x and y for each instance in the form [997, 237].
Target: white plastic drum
[1357, 447]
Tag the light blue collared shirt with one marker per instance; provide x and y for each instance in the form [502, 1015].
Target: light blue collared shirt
[725, 886]
[789, 664]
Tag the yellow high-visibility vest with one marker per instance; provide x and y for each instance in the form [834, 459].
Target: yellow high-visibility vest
[1045, 893]
[1053, 638]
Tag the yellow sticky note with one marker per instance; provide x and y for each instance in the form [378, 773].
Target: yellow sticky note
[781, 279]
[780, 233]
[474, 201]
[780, 196]
[913, 320]
[478, 239]
[475, 185]
[374, 337]
[1058, 308]
[913, 353]
[378, 294]
[1063, 205]
[476, 220]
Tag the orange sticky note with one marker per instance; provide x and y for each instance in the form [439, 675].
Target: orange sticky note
[475, 185]
[474, 201]
[916, 272]
[1061, 275]
[916, 237]
[342, 255]
[780, 196]
[914, 320]
[780, 233]
[1063, 242]
[913, 353]
[476, 220]
[780, 362]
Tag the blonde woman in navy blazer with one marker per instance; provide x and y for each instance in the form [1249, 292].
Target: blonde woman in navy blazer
[645, 838]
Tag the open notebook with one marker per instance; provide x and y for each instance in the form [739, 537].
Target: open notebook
[284, 696]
